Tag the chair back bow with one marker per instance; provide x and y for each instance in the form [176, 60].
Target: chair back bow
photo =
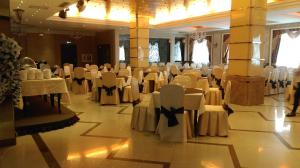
[109, 90]
[273, 83]
[79, 80]
[228, 109]
[171, 115]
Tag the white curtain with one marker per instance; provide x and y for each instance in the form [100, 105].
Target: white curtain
[177, 52]
[200, 52]
[154, 53]
[289, 51]
[121, 53]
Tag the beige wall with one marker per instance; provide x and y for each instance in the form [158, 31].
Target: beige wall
[48, 46]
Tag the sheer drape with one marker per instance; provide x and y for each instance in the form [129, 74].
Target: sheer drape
[121, 53]
[153, 52]
[201, 52]
[289, 49]
[177, 52]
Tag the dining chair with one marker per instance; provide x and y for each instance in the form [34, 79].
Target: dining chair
[123, 73]
[214, 121]
[109, 91]
[174, 122]
[79, 84]
[184, 81]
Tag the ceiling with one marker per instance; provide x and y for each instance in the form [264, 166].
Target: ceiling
[39, 15]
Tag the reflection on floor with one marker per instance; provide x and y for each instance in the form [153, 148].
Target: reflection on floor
[260, 137]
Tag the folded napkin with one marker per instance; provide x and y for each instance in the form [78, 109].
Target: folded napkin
[31, 74]
[23, 75]
[47, 73]
[39, 75]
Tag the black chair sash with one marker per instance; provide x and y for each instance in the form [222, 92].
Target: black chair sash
[171, 76]
[288, 83]
[67, 76]
[218, 81]
[281, 83]
[109, 90]
[273, 84]
[212, 76]
[266, 82]
[228, 109]
[79, 80]
[171, 115]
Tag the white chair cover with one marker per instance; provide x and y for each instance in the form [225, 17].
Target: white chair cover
[67, 71]
[107, 65]
[129, 70]
[116, 68]
[214, 121]
[79, 85]
[123, 72]
[131, 92]
[172, 96]
[184, 81]
[122, 65]
[186, 65]
[93, 67]
[47, 73]
[214, 96]
[109, 81]
[194, 79]
[193, 66]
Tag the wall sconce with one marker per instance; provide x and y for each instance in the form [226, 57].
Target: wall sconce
[19, 14]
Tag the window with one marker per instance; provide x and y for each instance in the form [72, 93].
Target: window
[177, 54]
[153, 52]
[200, 52]
[289, 51]
[121, 53]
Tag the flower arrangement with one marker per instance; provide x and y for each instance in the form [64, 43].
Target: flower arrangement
[10, 83]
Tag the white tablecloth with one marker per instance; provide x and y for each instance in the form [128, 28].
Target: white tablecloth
[46, 86]
[192, 101]
[203, 84]
[120, 82]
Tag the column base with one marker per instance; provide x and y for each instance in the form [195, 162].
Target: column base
[247, 91]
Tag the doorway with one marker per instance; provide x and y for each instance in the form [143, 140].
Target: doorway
[68, 53]
[103, 54]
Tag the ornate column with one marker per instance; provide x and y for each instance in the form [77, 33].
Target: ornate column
[247, 31]
[139, 35]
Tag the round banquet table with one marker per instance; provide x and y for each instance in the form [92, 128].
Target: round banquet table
[53, 86]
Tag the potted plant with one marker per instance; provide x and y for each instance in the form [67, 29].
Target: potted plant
[10, 85]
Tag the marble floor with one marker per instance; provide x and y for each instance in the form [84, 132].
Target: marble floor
[260, 137]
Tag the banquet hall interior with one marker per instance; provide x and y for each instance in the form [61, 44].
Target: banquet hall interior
[149, 83]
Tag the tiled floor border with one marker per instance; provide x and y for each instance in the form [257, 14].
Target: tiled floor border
[52, 162]
[230, 147]
[281, 139]
[45, 151]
